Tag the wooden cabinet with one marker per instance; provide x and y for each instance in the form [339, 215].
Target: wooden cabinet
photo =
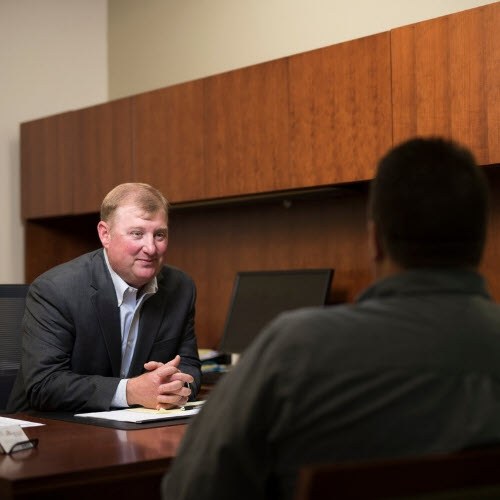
[221, 136]
[446, 80]
[55, 240]
[315, 119]
[105, 153]
[246, 130]
[168, 140]
[48, 159]
[229, 150]
[340, 111]
[71, 160]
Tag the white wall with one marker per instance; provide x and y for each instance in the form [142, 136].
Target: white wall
[53, 57]
[156, 43]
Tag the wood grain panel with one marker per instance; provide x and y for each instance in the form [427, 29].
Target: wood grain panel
[246, 130]
[48, 155]
[105, 150]
[491, 262]
[213, 244]
[340, 111]
[168, 135]
[446, 80]
[50, 242]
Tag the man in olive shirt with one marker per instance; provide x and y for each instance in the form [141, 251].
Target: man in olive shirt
[411, 368]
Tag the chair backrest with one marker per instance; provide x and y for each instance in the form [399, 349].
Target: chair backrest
[455, 476]
[12, 302]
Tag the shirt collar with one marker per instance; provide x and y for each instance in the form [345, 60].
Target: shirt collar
[150, 288]
[425, 281]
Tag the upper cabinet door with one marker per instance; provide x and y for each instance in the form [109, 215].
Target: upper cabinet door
[48, 160]
[340, 111]
[105, 150]
[446, 80]
[246, 130]
[168, 140]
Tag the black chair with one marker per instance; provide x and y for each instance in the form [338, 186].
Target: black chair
[12, 302]
[463, 475]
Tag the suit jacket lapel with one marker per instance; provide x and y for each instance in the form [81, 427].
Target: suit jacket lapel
[108, 313]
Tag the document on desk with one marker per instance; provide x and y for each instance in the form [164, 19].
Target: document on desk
[6, 421]
[141, 415]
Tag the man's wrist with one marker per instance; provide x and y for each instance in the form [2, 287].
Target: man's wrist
[120, 398]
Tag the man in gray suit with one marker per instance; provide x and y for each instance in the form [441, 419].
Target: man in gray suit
[114, 327]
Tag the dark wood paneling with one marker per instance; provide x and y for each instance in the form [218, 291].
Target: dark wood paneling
[48, 155]
[461, 475]
[491, 263]
[446, 80]
[340, 111]
[49, 242]
[105, 151]
[168, 134]
[246, 130]
[213, 244]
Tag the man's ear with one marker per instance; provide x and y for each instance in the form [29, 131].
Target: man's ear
[375, 246]
[104, 233]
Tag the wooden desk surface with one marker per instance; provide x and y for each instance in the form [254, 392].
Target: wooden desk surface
[85, 461]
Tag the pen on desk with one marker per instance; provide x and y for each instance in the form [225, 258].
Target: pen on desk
[190, 407]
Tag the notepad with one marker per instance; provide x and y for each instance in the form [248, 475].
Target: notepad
[142, 415]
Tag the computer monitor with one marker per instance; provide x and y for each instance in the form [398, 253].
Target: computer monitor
[259, 296]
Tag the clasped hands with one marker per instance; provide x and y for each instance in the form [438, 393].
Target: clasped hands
[162, 386]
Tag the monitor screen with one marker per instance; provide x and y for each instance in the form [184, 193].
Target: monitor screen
[259, 296]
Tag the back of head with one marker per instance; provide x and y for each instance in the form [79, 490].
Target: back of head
[429, 202]
[142, 195]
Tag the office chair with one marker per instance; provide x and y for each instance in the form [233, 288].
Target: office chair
[463, 475]
[12, 301]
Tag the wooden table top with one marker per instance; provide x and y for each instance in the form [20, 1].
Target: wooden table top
[68, 449]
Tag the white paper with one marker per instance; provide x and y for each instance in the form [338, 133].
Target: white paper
[141, 415]
[206, 354]
[5, 421]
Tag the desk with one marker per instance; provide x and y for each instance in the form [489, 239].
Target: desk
[79, 461]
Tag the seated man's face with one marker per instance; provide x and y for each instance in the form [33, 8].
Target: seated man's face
[136, 243]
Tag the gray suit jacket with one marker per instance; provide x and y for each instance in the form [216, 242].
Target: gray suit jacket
[71, 352]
